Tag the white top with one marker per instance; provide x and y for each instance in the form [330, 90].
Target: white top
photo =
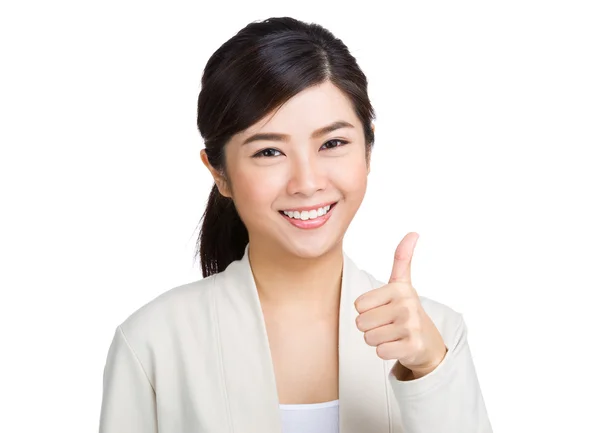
[310, 418]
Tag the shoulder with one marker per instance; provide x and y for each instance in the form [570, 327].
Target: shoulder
[168, 328]
[169, 312]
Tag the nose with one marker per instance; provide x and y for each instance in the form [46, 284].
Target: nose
[307, 177]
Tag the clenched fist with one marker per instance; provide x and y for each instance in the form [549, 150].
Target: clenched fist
[394, 321]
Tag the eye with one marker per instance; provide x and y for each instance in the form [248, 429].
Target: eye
[266, 153]
[328, 145]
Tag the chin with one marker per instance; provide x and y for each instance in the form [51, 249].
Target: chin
[310, 250]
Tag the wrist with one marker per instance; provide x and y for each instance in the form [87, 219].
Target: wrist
[420, 372]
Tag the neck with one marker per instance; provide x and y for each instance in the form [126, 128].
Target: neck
[290, 282]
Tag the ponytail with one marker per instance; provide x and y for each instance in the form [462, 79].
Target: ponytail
[223, 236]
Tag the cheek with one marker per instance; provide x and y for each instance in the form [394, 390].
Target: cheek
[352, 178]
[254, 192]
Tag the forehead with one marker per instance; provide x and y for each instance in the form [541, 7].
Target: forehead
[307, 111]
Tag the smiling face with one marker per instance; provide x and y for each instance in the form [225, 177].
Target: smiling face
[308, 154]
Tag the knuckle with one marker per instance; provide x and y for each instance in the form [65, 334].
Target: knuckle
[404, 310]
[400, 329]
[401, 312]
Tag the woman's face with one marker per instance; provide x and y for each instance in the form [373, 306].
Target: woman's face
[292, 161]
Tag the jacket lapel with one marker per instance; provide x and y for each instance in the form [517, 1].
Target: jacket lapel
[248, 373]
[362, 374]
[249, 377]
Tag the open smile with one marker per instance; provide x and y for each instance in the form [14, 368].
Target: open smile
[312, 219]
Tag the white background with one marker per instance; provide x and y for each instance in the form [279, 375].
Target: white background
[487, 138]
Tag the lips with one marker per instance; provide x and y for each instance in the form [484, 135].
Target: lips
[309, 223]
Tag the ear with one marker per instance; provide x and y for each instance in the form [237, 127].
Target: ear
[220, 180]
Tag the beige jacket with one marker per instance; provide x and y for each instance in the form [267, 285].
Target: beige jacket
[196, 359]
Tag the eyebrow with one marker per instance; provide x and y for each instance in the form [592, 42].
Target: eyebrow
[272, 136]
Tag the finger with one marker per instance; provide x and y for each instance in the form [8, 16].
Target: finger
[385, 334]
[375, 298]
[393, 349]
[376, 317]
[403, 257]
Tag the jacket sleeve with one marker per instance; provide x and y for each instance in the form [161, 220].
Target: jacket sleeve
[448, 399]
[128, 400]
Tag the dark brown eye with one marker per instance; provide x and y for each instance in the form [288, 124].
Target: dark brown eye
[331, 144]
[266, 153]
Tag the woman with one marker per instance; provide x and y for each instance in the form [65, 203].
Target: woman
[285, 333]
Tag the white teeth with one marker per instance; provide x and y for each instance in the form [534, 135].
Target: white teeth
[307, 215]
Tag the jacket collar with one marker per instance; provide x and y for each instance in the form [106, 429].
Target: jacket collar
[248, 373]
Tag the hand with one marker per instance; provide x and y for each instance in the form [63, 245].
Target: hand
[394, 321]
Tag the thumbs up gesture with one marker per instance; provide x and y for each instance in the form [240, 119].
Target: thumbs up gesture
[394, 321]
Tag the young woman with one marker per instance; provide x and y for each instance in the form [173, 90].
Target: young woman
[284, 333]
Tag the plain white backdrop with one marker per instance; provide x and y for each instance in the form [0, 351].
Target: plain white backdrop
[487, 139]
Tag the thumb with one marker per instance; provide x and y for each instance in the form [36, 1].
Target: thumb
[403, 257]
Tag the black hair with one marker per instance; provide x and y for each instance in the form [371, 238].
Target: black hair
[261, 67]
